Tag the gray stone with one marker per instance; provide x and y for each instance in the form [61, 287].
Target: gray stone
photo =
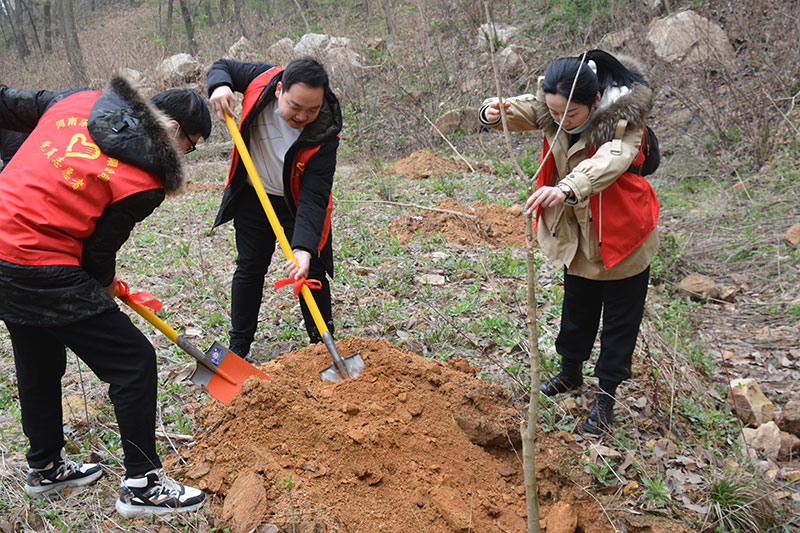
[749, 403]
[766, 439]
[789, 420]
[686, 38]
[281, 52]
[179, 68]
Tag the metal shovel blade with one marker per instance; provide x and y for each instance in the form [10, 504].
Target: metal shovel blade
[230, 371]
[347, 368]
[353, 365]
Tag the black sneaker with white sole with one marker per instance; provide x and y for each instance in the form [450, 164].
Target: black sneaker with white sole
[59, 475]
[156, 493]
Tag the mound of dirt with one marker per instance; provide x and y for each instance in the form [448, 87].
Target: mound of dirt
[492, 224]
[425, 164]
[409, 445]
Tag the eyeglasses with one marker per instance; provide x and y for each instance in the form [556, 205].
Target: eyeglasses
[193, 146]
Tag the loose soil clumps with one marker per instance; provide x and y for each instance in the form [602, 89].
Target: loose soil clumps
[409, 445]
[492, 224]
[426, 164]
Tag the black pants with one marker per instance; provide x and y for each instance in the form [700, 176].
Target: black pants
[255, 244]
[622, 305]
[118, 353]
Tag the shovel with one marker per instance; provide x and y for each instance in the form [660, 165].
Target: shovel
[219, 370]
[342, 368]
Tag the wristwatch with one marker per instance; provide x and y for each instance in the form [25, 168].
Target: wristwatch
[563, 187]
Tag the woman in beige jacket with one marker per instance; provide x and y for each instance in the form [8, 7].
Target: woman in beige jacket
[595, 214]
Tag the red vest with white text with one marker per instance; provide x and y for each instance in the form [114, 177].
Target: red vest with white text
[57, 186]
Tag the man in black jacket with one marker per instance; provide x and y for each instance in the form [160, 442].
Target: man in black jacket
[10, 141]
[290, 124]
[94, 164]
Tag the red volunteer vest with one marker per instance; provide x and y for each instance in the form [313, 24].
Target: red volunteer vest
[57, 186]
[624, 213]
[251, 96]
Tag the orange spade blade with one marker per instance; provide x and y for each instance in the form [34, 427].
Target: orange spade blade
[231, 372]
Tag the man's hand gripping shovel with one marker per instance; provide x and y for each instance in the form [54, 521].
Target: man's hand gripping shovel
[342, 368]
[219, 370]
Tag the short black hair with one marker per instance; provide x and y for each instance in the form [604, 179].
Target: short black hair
[305, 70]
[187, 107]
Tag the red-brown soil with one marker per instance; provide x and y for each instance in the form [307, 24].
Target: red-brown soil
[491, 224]
[409, 445]
[426, 164]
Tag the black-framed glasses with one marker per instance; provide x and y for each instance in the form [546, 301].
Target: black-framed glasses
[193, 146]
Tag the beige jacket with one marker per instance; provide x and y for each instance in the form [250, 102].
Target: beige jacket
[566, 233]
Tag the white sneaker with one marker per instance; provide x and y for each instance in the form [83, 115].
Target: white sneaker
[156, 493]
[59, 475]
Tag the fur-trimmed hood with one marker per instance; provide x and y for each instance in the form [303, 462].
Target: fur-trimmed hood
[634, 106]
[126, 126]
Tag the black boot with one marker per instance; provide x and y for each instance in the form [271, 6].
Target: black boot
[601, 415]
[559, 384]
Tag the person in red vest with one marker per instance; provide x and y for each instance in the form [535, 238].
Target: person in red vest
[93, 165]
[290, 123]
[596, 215]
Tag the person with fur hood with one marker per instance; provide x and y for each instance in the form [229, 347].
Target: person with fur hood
[595, 215]
[93, 165]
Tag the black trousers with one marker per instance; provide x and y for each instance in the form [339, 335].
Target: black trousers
[622, 305]
[118, 353]
[255, 244]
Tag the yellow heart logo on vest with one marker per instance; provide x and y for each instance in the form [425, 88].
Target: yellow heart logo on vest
[88, 150]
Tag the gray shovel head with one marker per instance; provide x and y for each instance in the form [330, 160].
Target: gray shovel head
[350, 368]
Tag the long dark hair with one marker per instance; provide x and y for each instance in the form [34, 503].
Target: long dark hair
[560, 74]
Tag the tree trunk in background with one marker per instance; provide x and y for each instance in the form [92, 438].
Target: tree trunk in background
[73, 48]
[18, 29]
[33, 25]
[168, 35]
[237, 16]
[48, 22]
[209, 14]
[387, 14]
[223, 11]
[187, 22]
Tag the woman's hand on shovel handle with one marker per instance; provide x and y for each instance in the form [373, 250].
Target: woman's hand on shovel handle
[299, 270]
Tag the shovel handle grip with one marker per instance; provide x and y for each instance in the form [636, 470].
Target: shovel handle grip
[150, 316]
[244, 154]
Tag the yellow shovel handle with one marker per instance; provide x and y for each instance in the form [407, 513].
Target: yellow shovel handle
[272, 217]
[150, 316]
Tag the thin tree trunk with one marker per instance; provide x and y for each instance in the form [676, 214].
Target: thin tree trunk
[223, 11]
[303, 15]
[187, 23]
[209, 13]
[528, 428]
[170, 7]
[69, 34]
[33, 25]
[48, 23]
[18, 29]
[387, 15]
[237, 15]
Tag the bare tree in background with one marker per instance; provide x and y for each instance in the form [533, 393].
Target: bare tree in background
[168, 33]
[387, 14]
[14, 16]
[69, 34]
[187, 22]
[28, 9]
[237, 16]
[209, 14]
[47, 21]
